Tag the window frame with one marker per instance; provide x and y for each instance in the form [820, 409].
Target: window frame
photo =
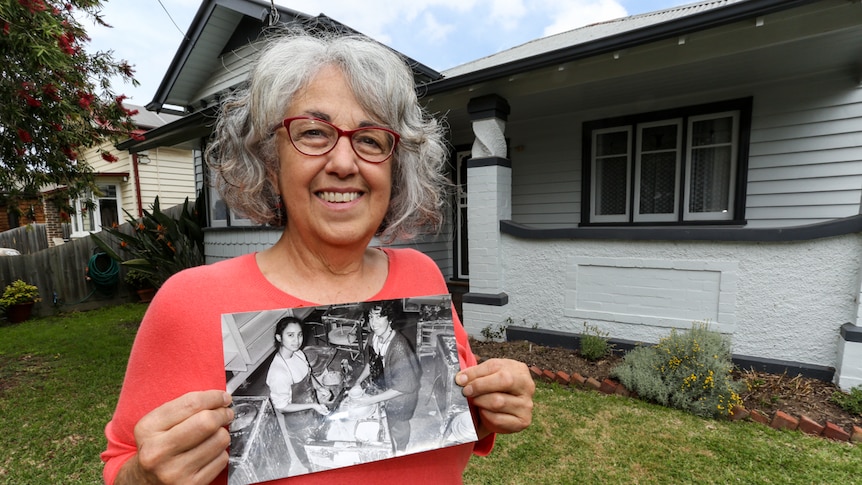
[77, 219]
[639, 152]
[232, 218]
[612, 218]
[635, 123]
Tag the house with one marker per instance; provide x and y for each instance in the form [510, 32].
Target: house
[127, 182]
[699, 163]
[130, 182]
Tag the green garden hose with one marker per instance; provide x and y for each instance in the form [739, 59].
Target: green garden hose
[104, 272]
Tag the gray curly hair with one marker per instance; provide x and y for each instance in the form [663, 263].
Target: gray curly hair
[243, 151]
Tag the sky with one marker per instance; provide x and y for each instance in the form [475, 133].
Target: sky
[438, 33]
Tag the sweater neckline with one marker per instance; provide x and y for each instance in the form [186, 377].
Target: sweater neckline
[279, 295]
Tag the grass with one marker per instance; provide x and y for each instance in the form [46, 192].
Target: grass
[588, 437]
[59, 382]
[60, 376]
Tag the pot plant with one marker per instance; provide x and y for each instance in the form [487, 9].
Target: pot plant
[18, 299]
[141, 283]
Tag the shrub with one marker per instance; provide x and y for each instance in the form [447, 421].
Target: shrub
[17, 292]
[594, 343]
[849, 401]
[686, 370]
[137, 279]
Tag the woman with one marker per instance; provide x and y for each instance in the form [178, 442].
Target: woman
[392, 369]
[327, 139]
[293, 390]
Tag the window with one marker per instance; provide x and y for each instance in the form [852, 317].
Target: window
[221, 215]
[672, 167]
[92, 213]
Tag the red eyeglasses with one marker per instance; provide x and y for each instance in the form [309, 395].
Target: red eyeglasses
[315, 137]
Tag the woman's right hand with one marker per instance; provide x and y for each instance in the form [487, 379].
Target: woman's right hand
[182, 441]
[320, 408]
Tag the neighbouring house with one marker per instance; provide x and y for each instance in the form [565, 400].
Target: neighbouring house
[130, 182]
[699, 163]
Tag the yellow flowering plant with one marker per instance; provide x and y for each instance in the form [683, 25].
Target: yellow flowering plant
[689, 370]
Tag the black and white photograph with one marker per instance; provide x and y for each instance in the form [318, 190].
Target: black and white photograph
[317, 388]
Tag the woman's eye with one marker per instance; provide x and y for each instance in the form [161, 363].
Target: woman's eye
[370, 141]
[312, 134]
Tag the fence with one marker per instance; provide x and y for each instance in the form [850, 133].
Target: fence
[70, 277]
[61, 274]
[26, 239]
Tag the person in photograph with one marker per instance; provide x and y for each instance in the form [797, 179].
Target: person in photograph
[294, 390]
[392, 372]
[328, 141]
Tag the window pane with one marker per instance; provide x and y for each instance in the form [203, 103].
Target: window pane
[659, 138]
[109, 212]
[616, 143]
[657, 168]
[611, 174]
[108, 191]
[658, 176]
[712, 132]
[710, 179]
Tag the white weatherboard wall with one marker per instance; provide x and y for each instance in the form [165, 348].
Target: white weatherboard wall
[783, 301]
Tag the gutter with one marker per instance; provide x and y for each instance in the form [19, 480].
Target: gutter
[173, 132]
[673, 28]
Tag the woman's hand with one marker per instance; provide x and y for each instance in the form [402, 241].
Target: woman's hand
[320, 409]
[182, 441]
[502, 391]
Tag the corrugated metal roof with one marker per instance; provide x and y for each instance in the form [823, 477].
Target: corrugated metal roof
[146, 119]
[587, 34]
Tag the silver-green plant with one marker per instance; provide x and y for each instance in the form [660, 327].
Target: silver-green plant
[688, 370]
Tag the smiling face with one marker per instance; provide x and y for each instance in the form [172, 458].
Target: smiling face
[378, 322]
[334, 199]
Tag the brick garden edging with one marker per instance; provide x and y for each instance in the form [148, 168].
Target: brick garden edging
[780, 419]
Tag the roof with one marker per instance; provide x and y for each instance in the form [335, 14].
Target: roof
[223, 25]
[146, 119]
[607, 37]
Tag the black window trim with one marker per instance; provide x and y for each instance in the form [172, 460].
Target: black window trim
[743, 105]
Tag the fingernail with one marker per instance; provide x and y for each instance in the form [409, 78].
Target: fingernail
[460, 379]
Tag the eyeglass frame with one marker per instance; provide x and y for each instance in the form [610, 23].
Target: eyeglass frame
[348, 133]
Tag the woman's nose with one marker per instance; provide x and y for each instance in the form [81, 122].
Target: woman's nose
[342, 160]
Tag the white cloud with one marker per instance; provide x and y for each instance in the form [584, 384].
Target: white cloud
[571, 15]
[433, 30]
[508, 13]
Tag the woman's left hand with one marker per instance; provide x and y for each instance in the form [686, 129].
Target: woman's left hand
[502, 391]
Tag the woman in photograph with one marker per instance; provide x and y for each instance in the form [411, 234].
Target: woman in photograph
[327, 140]
[293, 390]
[392, 372]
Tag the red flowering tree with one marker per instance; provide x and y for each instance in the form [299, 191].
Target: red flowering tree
[56, 97]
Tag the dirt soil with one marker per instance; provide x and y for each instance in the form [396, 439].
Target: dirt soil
[795, 395]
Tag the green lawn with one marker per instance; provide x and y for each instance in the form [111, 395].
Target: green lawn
[60, 376]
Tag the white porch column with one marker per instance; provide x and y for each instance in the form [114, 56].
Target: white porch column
[849, 372]
[489, 195]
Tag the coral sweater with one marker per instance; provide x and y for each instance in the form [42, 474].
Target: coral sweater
[178, 349]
